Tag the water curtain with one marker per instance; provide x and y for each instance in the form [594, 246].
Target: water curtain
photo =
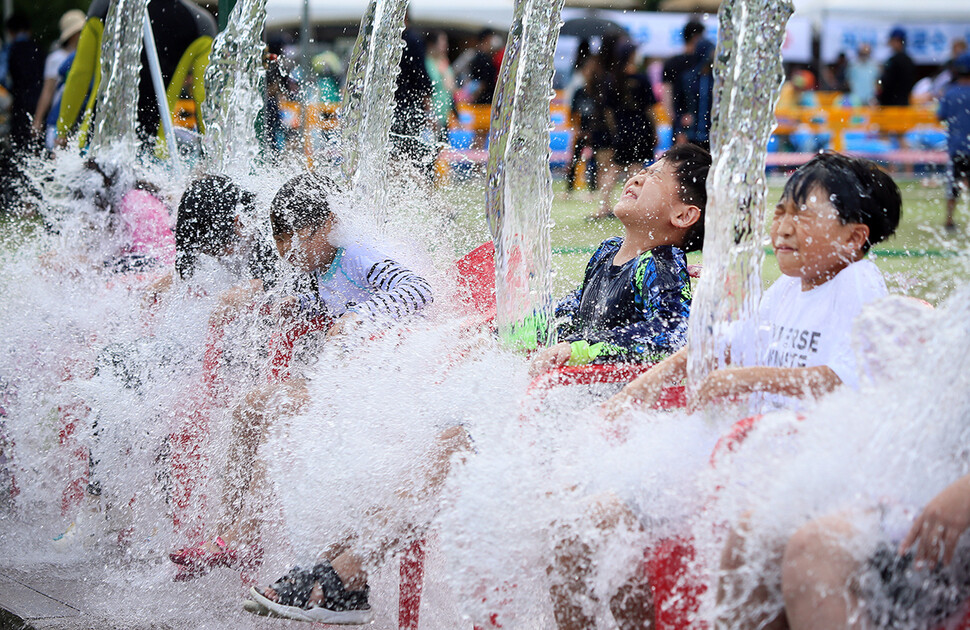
[747, 82]
[233, 90]
[116, 119]
[368, 104]
[518, 194]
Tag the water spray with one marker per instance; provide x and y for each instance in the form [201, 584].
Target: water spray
[747, 83]
[518, 195]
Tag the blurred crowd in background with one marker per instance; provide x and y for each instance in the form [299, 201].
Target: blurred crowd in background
[622, 107]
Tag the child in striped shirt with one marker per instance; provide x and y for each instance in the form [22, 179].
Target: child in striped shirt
[354, 286]
[354, 283]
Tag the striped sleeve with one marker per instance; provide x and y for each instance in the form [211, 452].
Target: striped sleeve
[396, 292]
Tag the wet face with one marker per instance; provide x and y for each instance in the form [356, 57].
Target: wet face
[307, 249]
[810, 240]
[649, 195]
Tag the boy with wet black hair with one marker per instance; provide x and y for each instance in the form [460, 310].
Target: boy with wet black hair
[833, 209]
[354, 285]
[635, 298]
[354, 282]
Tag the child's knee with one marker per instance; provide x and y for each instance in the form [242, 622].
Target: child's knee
[454, 440]
[813, 549]
[288, 396]
[608, 511]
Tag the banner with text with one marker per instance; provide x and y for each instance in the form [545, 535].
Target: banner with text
[661, 34]
[927, 43]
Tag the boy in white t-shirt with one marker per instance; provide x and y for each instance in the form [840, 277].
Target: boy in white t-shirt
[833, 209]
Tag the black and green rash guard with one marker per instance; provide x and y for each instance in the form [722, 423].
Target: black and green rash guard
[634, 312]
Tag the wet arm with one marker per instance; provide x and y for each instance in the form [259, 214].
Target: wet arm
[44, 104]
[397, 292]
[798, 382]
[645, 390]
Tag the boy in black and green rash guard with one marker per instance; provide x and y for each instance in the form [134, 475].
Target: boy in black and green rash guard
[635, 298]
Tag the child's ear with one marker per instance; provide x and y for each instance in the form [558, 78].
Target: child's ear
[685, 216]
[858, 237]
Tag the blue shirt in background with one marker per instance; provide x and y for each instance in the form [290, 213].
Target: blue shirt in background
[955, 112]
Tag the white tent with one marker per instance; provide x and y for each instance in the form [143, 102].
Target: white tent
[470, 13]
[900, 10]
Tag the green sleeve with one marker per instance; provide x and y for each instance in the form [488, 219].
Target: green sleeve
[194, 61]
[85, 68]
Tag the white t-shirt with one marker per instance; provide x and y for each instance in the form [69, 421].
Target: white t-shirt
[53, 63]
[811, 328]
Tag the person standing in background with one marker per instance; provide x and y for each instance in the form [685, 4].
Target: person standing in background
[634, 133]
[673, 78]
[483, 70]
[898, 73]
[583, 103]
[442, 83]
[700, 100]
[411, 103]
[862, 75]
[955, 112]
[45, 126]
[23, 75]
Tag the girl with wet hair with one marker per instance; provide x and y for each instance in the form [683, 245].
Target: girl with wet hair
[208, 224]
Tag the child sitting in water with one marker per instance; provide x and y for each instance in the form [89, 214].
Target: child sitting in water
[633, 305]
[832, 210]
[919, 582]
[209, 224]
[355, 283]
[635, 298]
[355, 286]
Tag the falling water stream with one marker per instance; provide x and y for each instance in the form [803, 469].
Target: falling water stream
[747, 83]
[518, 195]
[368, 107]
[233, 81]
[115, 117]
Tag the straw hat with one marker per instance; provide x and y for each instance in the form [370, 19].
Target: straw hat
[71, 23]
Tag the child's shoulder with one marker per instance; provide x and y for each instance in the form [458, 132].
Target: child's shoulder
[863, 279]
[613, 243]
[663, 268]
[606, 250]
[362, 252]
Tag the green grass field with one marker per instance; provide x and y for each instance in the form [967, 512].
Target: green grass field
[920, 260]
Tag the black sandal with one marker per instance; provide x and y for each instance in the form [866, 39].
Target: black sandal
[294, 590]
